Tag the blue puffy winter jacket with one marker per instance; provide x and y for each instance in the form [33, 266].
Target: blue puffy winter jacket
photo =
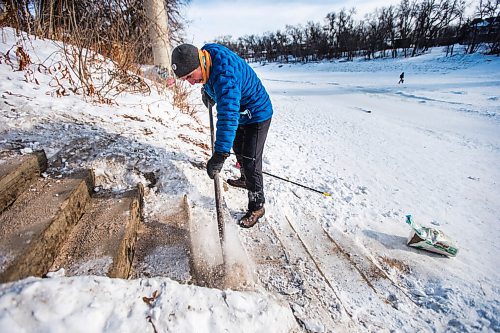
[240, 96]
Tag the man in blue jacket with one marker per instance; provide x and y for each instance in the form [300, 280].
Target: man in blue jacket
[244, 114]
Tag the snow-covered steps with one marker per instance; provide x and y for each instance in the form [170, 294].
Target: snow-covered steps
[57, 222]
[17, 172]
[59, 226]
[34, 227]
[103, 242]
[163, 243]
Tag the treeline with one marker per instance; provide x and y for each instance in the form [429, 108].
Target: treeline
[408, 29]
[115, 28]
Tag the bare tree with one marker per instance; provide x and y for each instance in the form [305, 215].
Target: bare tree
[405, 24]
[332, 33]
[282, 45]
[156, 15]
[296, 34]
[388, 26]
[487, 13]
[431, 17]
[371, 29]
[316, 40]
[345, 24]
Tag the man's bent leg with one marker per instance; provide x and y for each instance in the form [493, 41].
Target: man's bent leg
[238, 148]
[254, 139]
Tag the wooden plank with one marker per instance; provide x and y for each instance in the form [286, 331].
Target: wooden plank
[17, 173]
[34, 228]
[103, 242]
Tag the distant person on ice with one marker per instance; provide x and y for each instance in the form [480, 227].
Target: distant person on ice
[402, 78]
[244, 114]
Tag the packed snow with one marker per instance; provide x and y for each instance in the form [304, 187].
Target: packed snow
[429, 147]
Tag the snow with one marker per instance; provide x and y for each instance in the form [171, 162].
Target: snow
[429, 147]
[99, 304]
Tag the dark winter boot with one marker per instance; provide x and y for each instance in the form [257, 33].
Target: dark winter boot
[240, 182]
[251, 217]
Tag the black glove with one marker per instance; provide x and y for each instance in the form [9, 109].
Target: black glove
[207, 100]
[215, 163]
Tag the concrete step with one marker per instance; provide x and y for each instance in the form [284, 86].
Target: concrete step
[163, 245]
[34, 227]
[17, 173]
[103, 242]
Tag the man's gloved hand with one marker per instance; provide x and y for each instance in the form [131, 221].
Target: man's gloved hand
[207, 100]
[215, 163]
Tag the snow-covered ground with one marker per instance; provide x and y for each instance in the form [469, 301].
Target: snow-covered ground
[429, 147]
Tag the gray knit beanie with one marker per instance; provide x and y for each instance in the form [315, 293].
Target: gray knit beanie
[185, 59]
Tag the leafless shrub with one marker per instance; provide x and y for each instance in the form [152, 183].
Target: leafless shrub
[5, 58]
[23, 58]
[91, 32]
[180, 99]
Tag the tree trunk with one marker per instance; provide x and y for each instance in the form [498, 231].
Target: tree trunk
[156, 14]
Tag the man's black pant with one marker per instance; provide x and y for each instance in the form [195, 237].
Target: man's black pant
[248, 146]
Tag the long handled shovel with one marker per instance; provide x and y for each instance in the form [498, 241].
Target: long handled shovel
[236, 270]
[218, 201]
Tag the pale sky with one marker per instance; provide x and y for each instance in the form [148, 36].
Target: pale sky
[213, 18]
